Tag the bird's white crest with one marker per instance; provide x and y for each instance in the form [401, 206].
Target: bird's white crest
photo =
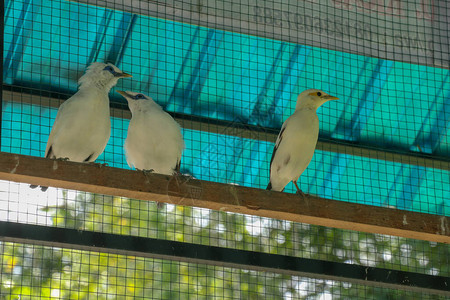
[97, 76]
[297, 140]
[154, 140]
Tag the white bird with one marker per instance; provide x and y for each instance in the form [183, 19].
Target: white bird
[297, 141]
[82, 126]
[154, 140]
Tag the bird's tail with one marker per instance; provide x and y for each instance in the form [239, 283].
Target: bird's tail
[269, 186]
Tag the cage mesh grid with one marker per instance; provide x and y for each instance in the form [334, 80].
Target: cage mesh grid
[118, 215]
[221, 157]
[201, 72]
[66, 274]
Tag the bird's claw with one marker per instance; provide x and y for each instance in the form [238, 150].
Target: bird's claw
[63, 159]
[177, 173]
[146, 172]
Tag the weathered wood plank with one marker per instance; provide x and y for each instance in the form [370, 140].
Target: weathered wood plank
[182, 190]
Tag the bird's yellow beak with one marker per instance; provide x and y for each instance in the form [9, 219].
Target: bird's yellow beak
[124, 75]
[330, 98]
[325, 97]
[123, 93]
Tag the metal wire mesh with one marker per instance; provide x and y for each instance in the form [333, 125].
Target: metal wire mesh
[230, 73]
[245, 80]
[31, 271]
[118, 215]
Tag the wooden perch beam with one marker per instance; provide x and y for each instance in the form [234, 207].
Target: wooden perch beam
[182, 190]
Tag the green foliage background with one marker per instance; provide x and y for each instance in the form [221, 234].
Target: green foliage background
[37, 272]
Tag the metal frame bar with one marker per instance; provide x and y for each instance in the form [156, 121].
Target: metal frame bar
[224, 257]
[2, 31]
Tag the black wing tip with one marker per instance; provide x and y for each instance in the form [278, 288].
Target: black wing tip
[269, 186]
[178, 166]
[88, 159]
[49, 152]
[43, 188]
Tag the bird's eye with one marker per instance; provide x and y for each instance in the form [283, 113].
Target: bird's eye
[139, 96]
[319, 94]
[109, 69]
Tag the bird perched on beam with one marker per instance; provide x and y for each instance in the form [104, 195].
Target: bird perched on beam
[154, 141]
[297, 141]
[82, 126]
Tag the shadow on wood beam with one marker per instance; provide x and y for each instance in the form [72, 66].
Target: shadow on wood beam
[181, 190]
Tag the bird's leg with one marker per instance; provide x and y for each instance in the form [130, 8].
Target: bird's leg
[159, 205]
[62, 158]
[146, 173]
[299, 191]
[177, 173]
[179, 177]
